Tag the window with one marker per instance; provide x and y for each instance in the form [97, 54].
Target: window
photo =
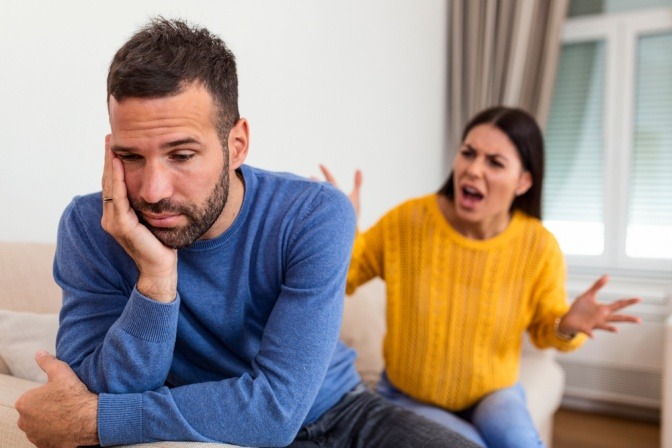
[649, 230]
[608, 187]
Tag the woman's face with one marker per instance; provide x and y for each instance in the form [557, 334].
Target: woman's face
[488, 175]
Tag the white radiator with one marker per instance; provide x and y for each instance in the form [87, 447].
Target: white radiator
[621, 373]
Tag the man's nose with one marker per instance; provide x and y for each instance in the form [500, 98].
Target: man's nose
[156, 182]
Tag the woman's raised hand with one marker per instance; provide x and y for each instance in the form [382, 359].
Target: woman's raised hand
[587, 314]
[354, 194]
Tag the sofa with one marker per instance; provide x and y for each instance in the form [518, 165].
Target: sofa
[29, 301]
[666, 399]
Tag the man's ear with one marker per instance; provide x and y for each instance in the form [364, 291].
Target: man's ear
[239, 141]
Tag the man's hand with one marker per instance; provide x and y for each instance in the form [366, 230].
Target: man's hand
[156, 263]
[587, 314]
[62, 413]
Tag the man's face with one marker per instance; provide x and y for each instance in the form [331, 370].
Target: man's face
[175, 169]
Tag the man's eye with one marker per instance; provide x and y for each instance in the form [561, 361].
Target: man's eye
[128, 158]
[181, 157]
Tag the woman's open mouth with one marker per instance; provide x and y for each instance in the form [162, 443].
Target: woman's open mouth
[470, 196]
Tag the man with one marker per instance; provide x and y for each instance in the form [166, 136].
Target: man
[202, 297]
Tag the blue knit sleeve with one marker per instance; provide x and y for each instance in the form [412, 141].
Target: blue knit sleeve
[116, 340]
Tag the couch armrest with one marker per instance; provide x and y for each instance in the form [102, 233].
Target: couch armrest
[11, 389]
[666, 406]
[544, 382]
[543, 379]
[364, 327]
[4, 368]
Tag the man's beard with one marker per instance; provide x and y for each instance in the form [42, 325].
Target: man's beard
[199, 219]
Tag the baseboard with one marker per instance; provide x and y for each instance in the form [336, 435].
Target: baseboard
[640, 413]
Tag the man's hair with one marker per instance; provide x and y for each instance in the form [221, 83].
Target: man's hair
[165, 57]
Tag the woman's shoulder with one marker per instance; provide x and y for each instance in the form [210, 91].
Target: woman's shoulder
[534, 230]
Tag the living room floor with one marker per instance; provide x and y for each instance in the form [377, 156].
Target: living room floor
[574, 429]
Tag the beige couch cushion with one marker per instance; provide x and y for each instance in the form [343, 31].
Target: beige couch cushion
[364, 327]
[4, 368]
[21, 335]
[26, 281]
[25, 276]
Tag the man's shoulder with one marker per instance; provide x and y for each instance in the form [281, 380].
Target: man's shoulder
[87, 207]
[273, 179]
[80, 225]
[292, 188]
[297, 202]
[88, 200]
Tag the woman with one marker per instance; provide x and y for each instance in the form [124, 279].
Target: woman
[467, 271]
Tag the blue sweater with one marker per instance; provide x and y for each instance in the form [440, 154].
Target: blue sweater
[249, 350]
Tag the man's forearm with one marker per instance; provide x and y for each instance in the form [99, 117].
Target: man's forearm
[133, 355]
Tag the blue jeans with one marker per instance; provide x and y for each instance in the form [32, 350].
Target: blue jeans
[499, 420]
[363, 419]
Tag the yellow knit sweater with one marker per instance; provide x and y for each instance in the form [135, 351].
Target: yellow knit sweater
[456, 307]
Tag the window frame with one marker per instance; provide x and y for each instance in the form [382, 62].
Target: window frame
[620, 33]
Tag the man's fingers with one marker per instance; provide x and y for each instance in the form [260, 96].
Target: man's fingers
[53, 367]
[107, 177]
[116, 206]
[118, 185]
[46, 361]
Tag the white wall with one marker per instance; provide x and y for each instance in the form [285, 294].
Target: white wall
[352, 83]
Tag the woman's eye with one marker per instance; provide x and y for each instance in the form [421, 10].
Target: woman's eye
[467, 153]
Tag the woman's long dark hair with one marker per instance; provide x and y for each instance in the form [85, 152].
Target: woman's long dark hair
[523, 131]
